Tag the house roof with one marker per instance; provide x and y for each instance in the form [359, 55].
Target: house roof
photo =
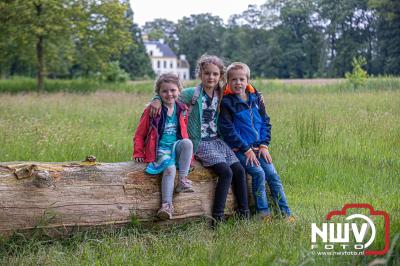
[164, 48]
[183, 63]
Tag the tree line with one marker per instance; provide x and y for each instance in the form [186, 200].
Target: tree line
[279, 39]
[294, 38]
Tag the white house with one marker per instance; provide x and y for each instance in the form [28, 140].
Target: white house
[164, 60]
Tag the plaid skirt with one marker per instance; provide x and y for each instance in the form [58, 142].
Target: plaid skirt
[211, 152]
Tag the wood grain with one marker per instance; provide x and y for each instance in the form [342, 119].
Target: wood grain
[71, 195]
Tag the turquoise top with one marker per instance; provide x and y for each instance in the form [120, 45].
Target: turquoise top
[168, 137]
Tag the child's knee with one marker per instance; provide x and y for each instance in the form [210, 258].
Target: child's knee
[238, 169]
[226, 171]
[258, 177]
[170, 171]
[257, 172]
[186, 144]
[270, 170]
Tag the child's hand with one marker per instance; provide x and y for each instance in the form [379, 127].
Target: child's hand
[252, 158]
[155, 107]
[265, 154]
[139, 160]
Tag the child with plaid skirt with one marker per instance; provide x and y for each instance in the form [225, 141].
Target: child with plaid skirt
[208, 147]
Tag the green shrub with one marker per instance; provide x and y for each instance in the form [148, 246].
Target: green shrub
[114, 73]
[358, 76]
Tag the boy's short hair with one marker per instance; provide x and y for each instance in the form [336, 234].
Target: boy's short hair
[238, 66]
[167, 78]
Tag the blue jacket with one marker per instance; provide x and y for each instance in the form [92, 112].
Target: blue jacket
[244, 125]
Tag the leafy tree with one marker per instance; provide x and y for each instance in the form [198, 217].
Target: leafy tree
[388, 35]
[101, 35]
[295, 38]
[162, 29]
[255, 47]
[87, 33]
[199, 34]
[348, 25]
[267, 16]
[135, 60]
[251, 17]
[234, 44]
[30, 25]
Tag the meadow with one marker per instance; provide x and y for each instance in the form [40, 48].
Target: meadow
[331, 144]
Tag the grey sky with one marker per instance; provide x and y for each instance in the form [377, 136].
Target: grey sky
[147, 10]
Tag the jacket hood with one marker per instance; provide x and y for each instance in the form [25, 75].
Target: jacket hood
[228, 89]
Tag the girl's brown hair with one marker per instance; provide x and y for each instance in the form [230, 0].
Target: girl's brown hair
[167, 78]
[206, 59]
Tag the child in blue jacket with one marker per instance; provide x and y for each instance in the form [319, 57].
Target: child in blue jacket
[245, 127]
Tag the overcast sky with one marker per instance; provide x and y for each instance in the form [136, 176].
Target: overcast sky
[148, 10]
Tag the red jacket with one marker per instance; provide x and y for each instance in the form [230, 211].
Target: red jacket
[149, 132]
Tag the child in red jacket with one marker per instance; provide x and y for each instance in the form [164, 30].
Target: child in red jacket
[162, 141]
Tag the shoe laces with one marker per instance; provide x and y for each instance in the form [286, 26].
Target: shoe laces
[166, 206]
[185, 181]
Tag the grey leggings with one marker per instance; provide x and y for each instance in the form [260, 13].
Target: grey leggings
[184, 151]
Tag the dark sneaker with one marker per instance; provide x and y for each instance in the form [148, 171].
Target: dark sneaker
[217, 220]
[165, 212]
[184, 186]
[243, 214]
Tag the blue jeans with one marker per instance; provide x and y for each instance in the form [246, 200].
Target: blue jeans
[259, 174]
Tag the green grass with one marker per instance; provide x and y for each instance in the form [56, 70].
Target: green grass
[371, 84]
[24, 84]
[330, 148]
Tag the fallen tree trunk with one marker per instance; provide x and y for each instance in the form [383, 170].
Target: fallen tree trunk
[62, 197]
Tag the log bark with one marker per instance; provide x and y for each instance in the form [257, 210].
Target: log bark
[66, 196]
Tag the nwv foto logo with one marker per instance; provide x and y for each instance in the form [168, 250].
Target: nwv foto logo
[335, 235]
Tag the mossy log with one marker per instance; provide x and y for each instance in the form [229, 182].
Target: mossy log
[68, 196]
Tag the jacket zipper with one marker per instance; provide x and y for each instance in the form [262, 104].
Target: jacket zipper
[252, 120]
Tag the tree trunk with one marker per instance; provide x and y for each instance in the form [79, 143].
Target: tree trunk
[40, 56]
[64, 196]
[40, 53]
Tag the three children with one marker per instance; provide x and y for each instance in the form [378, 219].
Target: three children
[208, 147]
[162, 137]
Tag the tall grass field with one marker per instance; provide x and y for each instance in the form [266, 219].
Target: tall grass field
[331, 145]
